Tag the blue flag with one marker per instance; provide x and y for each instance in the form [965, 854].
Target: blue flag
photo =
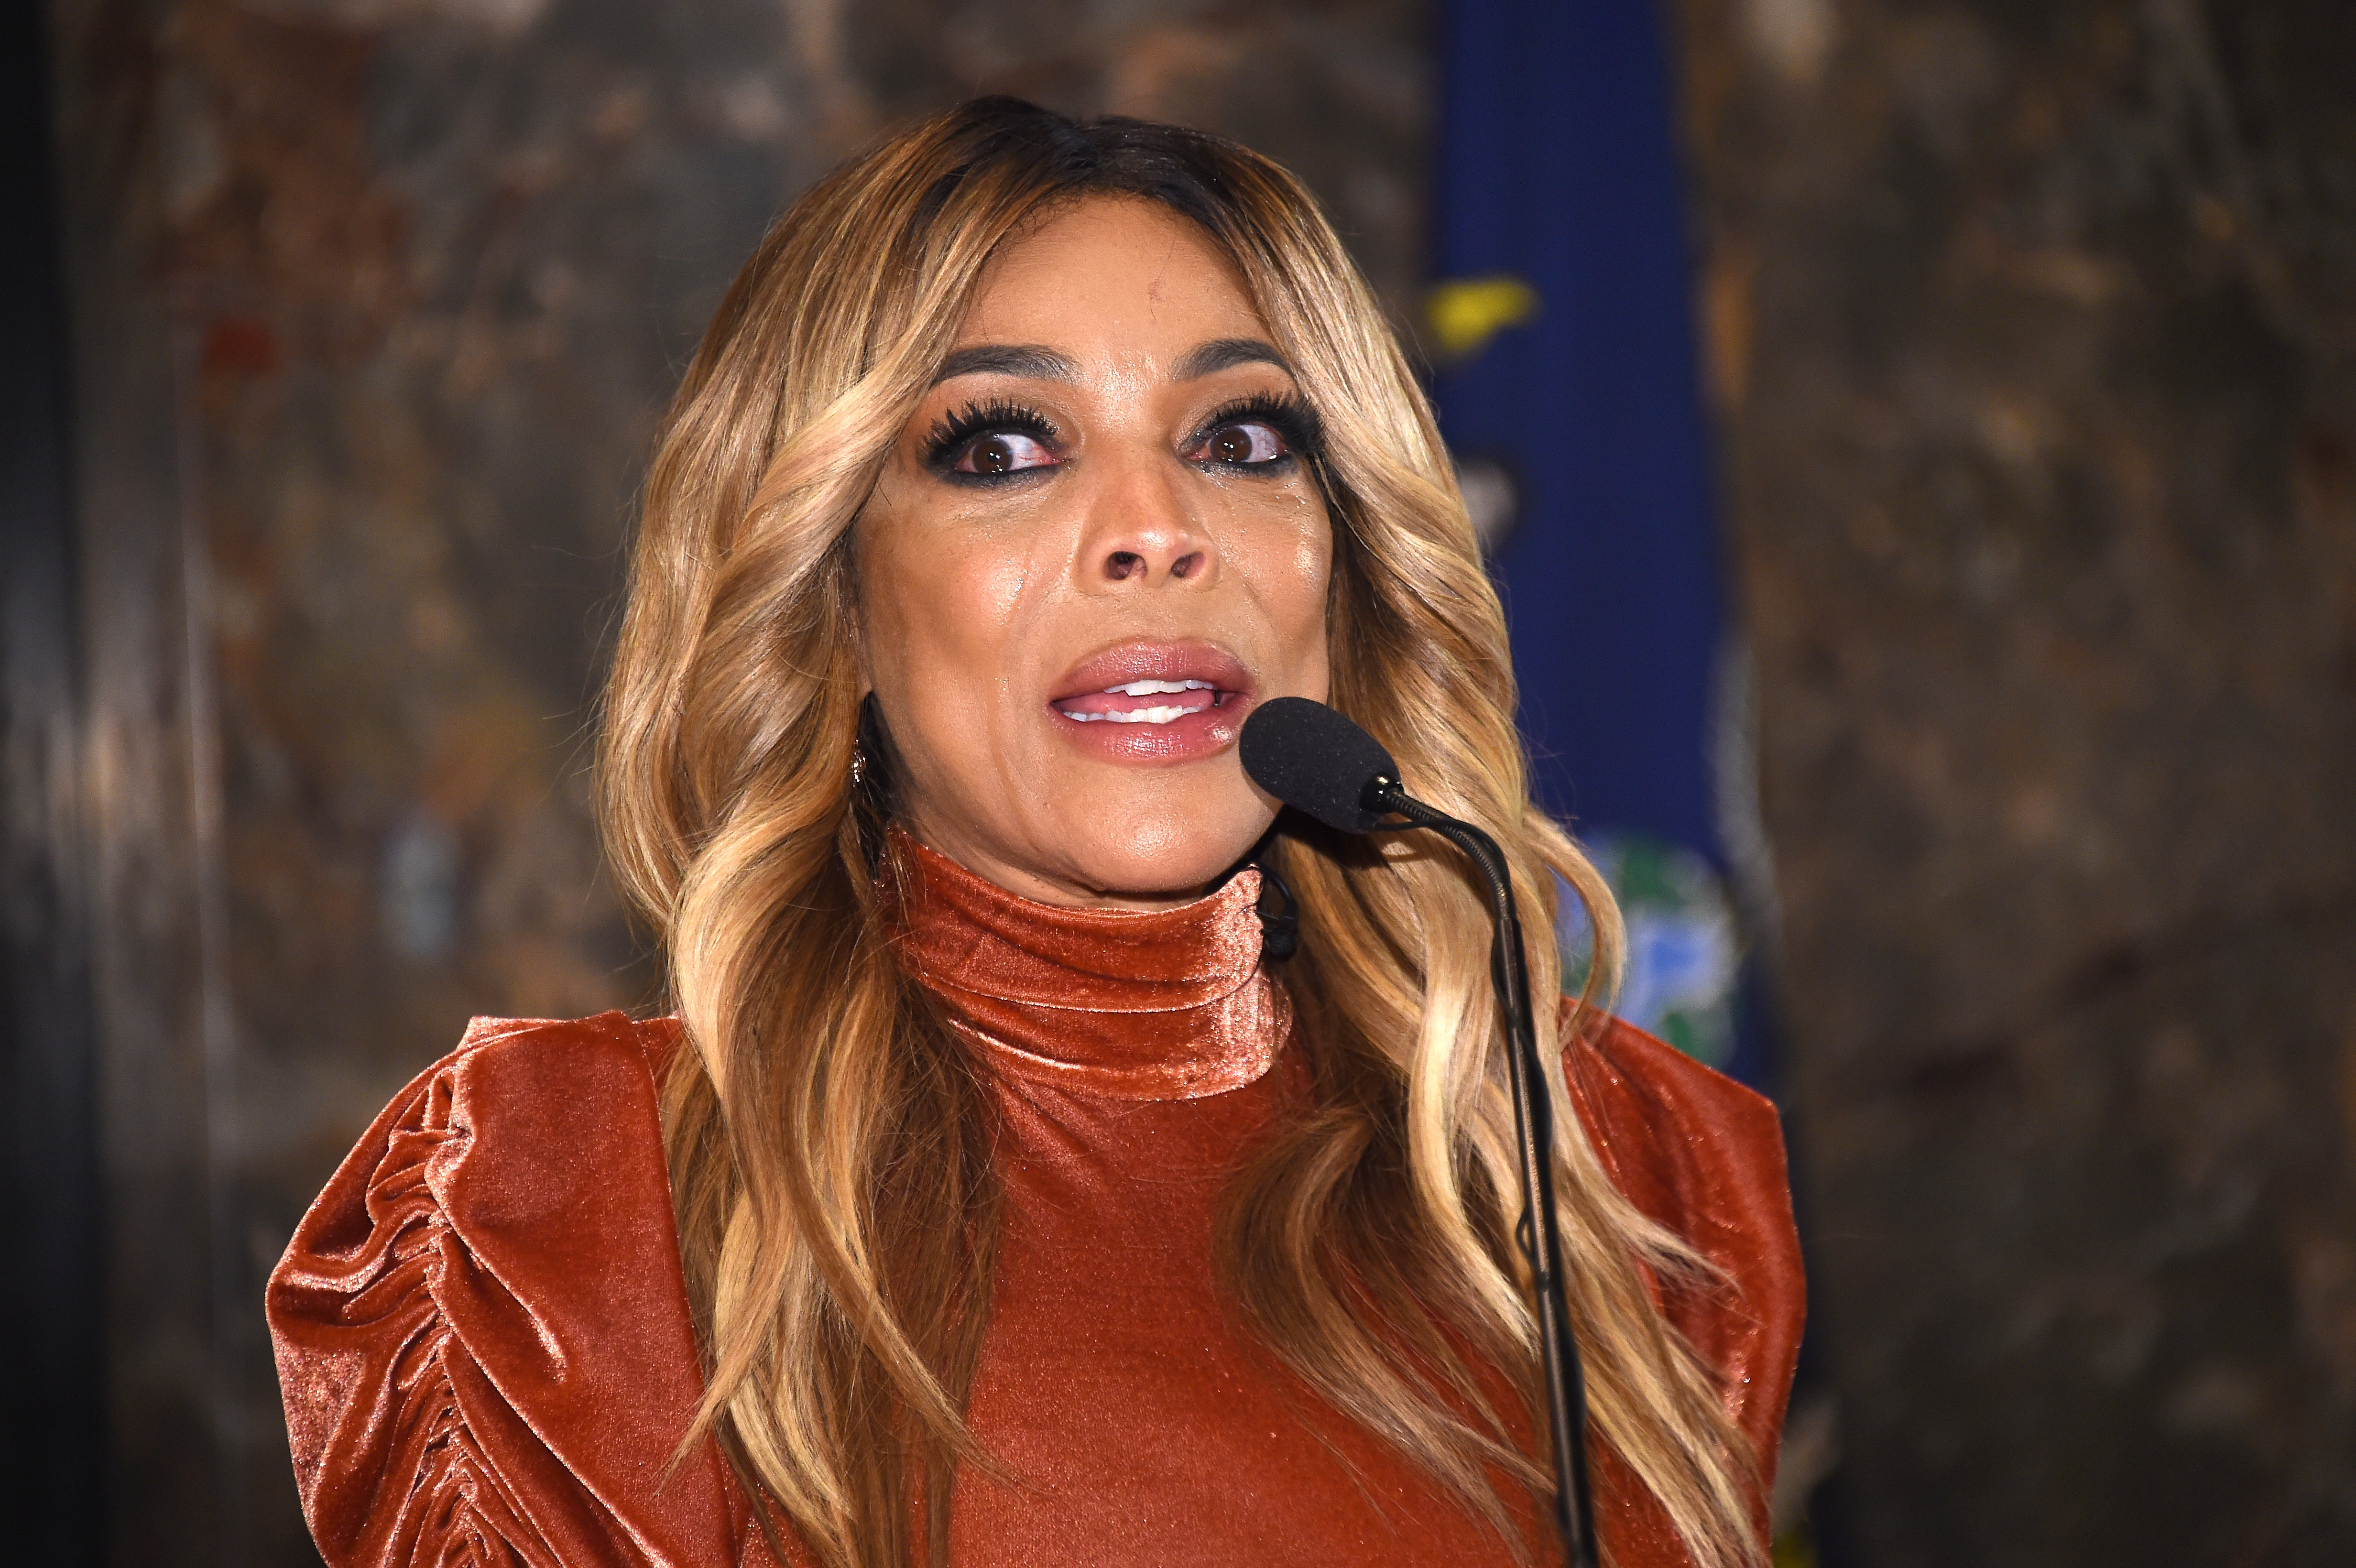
[1567, 383]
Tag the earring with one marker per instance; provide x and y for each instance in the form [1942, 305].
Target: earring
[869, 750]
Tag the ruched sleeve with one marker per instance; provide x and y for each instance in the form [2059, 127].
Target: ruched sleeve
[481, 1325]
[1703, 1157]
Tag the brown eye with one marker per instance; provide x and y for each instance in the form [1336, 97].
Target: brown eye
[1243, 444]
[1007, 452]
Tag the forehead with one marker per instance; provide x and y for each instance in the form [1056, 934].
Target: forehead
[1108, 275]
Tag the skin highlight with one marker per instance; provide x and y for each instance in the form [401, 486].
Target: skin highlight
[1101, 486]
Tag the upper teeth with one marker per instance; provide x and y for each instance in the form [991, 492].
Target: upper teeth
[1169, 714]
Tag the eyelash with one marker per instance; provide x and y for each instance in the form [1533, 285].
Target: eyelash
[952, 434]
[1292, 418]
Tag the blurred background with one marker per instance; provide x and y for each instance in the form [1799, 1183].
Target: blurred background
[1917, 443]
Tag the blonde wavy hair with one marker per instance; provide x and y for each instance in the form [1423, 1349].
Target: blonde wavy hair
[830, 1151]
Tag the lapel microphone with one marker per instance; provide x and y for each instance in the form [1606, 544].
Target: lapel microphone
[1318, 762]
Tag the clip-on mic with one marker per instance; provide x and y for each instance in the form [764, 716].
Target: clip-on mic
[1316, 761]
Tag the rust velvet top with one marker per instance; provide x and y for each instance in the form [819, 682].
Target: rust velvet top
[486, 1356]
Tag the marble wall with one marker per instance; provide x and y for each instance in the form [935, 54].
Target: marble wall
[375, 303]
[2032, 335]
[2029, 333]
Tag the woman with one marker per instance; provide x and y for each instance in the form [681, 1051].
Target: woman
[997, 1194]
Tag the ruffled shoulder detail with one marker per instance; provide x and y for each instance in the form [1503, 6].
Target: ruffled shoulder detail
[1703, 1157]
[481, 1325]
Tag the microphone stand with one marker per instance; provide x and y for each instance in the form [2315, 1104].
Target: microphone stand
[1533, 1127]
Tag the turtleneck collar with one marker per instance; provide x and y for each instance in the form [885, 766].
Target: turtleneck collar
[1157, 1004]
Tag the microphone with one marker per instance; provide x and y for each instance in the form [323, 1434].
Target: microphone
[1317, 761]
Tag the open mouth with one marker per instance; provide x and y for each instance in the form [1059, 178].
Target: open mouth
[1154, 701]
[1143, 703]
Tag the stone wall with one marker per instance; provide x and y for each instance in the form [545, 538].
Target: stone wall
[2030, 331]
[2032, 336]
[375, 304]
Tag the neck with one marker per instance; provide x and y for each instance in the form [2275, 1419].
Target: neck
[1162, 1004]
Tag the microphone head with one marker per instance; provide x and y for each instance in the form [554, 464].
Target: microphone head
[1314, 760]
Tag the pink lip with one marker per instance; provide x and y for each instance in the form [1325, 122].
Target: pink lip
[1205, 732]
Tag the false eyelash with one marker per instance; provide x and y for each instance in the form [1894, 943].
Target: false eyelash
[953, 430]
[1296, 422]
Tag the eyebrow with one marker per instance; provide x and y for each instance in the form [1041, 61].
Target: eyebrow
[1026, 359]
[1226, 354]
[1036, 362]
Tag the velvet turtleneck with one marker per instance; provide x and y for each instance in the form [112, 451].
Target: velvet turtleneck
[1125, 1005]
[488, 1355]
[1135, 1062]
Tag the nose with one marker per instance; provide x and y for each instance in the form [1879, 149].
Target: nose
[1139, 531]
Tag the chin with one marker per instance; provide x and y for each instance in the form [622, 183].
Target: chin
[1184, 853]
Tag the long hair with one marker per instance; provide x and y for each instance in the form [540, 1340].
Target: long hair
[828, 1148]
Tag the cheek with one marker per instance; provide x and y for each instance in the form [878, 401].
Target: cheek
[939, 602]
[1290, 566]
[940, 613]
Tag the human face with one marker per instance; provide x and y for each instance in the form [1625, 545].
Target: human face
[1095, 546]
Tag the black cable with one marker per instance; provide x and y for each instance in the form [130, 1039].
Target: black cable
[1317, 760]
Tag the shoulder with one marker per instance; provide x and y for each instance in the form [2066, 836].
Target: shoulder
[531, 1058]
[1672, 1130]
[547, 1122]
[555, 1090]
[481, 1325]
[1703, 1156]
[541, 1098]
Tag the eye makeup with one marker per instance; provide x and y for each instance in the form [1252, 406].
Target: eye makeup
[950, 437]
[1295, 423]
[955, 437]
